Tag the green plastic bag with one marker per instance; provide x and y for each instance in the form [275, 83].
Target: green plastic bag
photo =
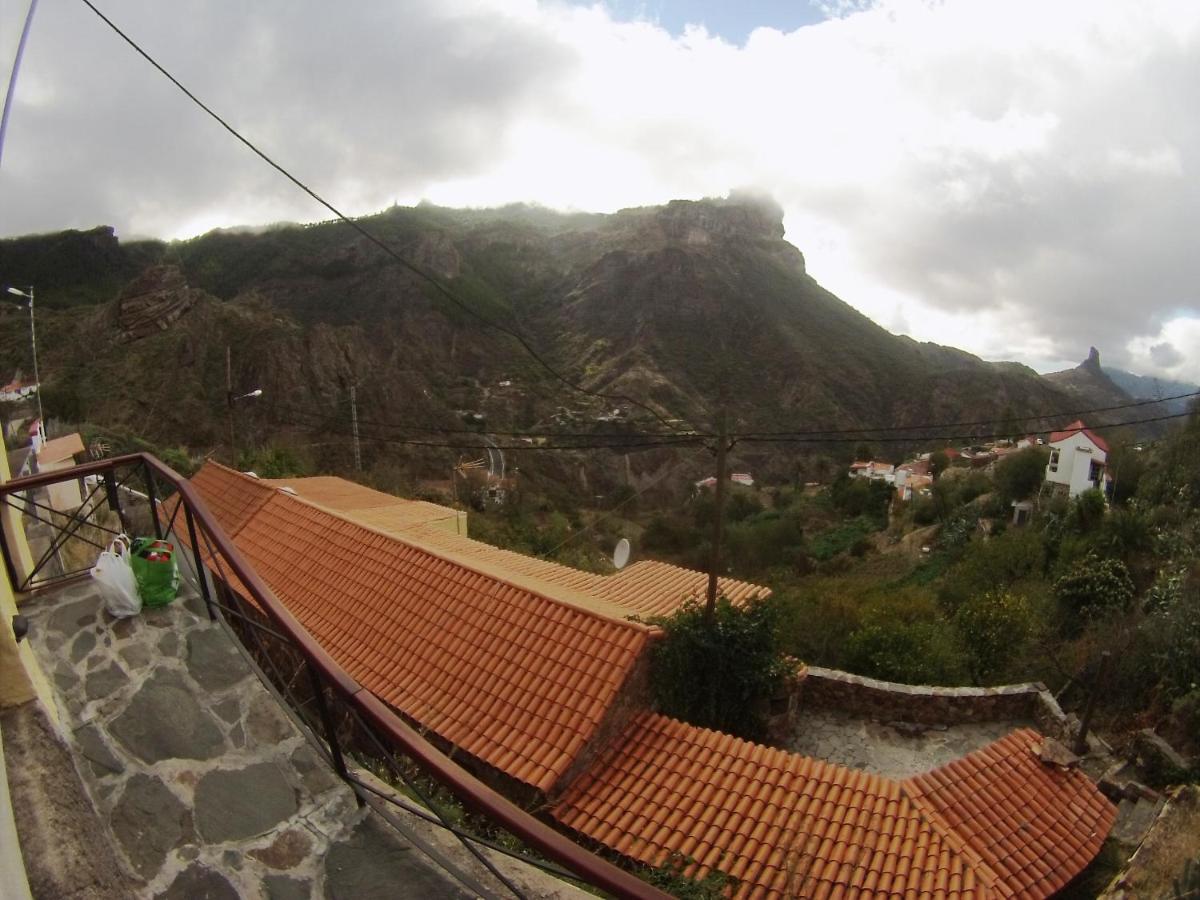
[155, 570]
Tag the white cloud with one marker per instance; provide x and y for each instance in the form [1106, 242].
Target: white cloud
[1010, 176]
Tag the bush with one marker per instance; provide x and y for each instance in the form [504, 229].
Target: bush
[911, 653]
[719, 674]
[993, 628]
[1093, 588]
[1020, 474]
[1087, 511]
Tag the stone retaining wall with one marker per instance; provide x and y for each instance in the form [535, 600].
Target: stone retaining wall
[818, 688]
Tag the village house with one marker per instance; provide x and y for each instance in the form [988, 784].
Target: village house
[1078, 458]
[533, 675]
[17, 390]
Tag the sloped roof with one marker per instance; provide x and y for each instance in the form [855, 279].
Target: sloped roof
[645, 589]
[514, 678]
[232, 498]
[363, 504]
[60, 448]
[786, 825]
[1075, 428]
[1035, 826]
[650, 588]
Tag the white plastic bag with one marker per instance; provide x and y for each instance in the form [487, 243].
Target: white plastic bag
[114, 576]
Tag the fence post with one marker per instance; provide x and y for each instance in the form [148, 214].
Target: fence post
[148, 473]
[335, 749]
[201, 575]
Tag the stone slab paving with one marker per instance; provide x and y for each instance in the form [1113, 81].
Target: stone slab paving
[894, 750]
[207, 786]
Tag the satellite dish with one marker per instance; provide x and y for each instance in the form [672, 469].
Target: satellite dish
[621, 554]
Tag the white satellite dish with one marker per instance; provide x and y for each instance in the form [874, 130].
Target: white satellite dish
[621, 554]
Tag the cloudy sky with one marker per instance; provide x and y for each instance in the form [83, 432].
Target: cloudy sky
[1014, 177]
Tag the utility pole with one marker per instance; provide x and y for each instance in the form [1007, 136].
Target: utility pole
[714, 561]
[229, 402]
[354, 428]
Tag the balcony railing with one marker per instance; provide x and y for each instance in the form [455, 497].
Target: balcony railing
[138, 492]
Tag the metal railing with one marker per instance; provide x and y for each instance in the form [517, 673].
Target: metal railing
[325, 698]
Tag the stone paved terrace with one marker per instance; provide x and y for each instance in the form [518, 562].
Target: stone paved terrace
[892, 749]
[204, 786]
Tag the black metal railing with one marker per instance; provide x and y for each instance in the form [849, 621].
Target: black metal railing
[388, 763]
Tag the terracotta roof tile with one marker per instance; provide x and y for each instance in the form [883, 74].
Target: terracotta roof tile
[491, 667]
[1033, 825]
[787, 825]
[652, 588]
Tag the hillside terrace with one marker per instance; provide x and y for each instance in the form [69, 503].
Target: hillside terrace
[539, 688]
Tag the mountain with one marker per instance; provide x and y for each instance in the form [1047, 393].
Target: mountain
[1089, 384]
[1147, 387]
[682, 307]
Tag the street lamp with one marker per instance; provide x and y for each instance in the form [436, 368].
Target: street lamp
[257, 392]
[33, 343]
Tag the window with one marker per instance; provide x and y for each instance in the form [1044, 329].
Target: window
[1095, 471]
[1053, 460]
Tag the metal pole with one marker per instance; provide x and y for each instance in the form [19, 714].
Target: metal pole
[354, 426]
[113, 496]
[201, 575]
[36, 377]
[714, 561]
[150, 496]
[335, 749]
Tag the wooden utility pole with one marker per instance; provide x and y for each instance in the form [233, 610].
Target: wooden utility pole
[354, 427]
[229, 403]
[714, 561]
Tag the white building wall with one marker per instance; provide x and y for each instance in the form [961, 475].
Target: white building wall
[1075, 456]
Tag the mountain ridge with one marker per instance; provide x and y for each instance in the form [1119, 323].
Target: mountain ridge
[686, 306]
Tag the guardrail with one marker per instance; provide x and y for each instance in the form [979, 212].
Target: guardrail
[215, 552]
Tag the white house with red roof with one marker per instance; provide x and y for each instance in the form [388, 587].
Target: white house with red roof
[1078, 459]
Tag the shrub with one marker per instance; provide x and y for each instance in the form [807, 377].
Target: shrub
[1020, 474]
[1087, 510]
[993, 627]
[719, 674]
[1091, 589]
[908, 652]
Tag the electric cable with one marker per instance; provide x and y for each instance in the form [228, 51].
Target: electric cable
[412, 267]
[831, 435]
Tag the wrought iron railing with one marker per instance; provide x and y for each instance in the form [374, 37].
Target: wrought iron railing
[139, 492]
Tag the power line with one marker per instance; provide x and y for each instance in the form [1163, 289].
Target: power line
[417, 270]
[804, 439]
[812, 435]
[619, 443]
[982, 423]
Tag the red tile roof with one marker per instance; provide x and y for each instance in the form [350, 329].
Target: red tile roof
[785, 825]
[365, 505]
[644, 589]
[1035, 826]
[650, 588]
[514, 678]
[233, 498]
[1075, 428]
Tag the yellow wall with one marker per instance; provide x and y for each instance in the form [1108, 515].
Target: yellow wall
[21, 678]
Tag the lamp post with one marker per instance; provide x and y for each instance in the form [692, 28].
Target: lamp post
[33, 343]
[257, 392]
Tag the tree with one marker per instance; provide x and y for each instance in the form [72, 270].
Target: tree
[1093, 587]
[939, 461]
[1019, 475]
[719, 674]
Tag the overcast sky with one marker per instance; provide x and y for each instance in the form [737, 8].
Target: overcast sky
[1017, 178]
